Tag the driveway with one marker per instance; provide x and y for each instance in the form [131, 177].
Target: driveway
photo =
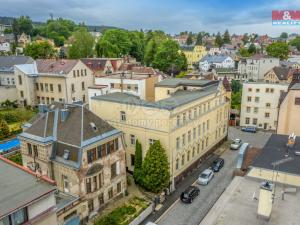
[191, 214]
[258, 139]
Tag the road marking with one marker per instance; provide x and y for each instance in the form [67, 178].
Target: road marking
[171, 207]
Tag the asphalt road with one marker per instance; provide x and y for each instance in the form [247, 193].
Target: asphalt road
[191, 214]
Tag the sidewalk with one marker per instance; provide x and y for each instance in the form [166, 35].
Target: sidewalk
[180, 188]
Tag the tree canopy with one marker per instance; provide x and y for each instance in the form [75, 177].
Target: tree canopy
[41, 50]
[278, 50]
[199, 39]
[82, 44]
[295, 42]
[226, 38]
[138, 161]
[219, 40]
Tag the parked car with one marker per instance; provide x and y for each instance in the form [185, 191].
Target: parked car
[217, 164]
[205, 177]
[150, 223]
[236, 144]
[189, 194]
[249, 129]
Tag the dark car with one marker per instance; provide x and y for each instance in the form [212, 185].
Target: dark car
[217, 164]
[249, 129]
[189, 194]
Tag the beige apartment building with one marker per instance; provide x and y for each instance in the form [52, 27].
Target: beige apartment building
[289, 111]
[279, 74]
[47, 81]
[81, 152]
[188, 117]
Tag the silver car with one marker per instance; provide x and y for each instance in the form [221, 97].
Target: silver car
[236, 144]
[205, 177]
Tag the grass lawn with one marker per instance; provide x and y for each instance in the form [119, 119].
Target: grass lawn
[14, 126]
[125, 214]
[17, 158]
[16, 115]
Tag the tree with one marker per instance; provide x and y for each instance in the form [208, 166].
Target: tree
[150, 51]
[245, 38]
[155, 169]
[199, 39]
[236, 86]
[138, 161]
[219, 40]
[82, 44]
[284, 35]
[7, 31]
[226, 38]
[25, 25]
[41, 50]
[278, 50]
[244, 52]
[189, 40]
[295, 42]
[4, 129]
[252, 49]
[168, 58]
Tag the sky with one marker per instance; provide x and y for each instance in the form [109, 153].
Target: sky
[171, 16]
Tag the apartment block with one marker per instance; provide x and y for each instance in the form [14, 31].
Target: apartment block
[259, 106]
[188, 117]
[81, 152]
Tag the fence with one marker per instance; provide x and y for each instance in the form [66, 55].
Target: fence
[143, 215]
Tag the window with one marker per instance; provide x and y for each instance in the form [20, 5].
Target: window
[85, 72]
[91, 155]
[247, 120]
[182, 160]
[22, 94]
[72, 87]
[267, 115]
[59, 88]
[188, 156]
[132, 139]
[132, 158]
[88, 185]
[255, 110]
[17, 218]
[257, 90]
[136, 88]
[183, 140]
[272, 90]
[112, 85]
[194, 133]
[101, 199]
[46, 88]
[110, 193]
[195, 113]
[190, 114]
[184, 118]
[248, 109]
[29, 149]
[178, 143]
[297, 101]
[119, 187]
[193, 153]
[199, 130]
[256, 99]
[41, 86]
[51, 87]
[254, 121]
[198, 148]
[123, 116]
[177, 164]
[250, 89]
[35, 151]
[95, 183]
[168, 92]
[203, 128]
[20, 79]
[74, 73]
[249, 99]
[81, 72]
[48, 100]
[207, 141]
[82, 85]
[52, 99]
[77, 73]
[268, 105]
[178, 120]
[83, 98]
[267, 90]
[37, 86]
[208, 106]
[128, 87]
[115, 169]
[91, 205]
[207, 125]
[151, 141]
[66, 183]
[200, 109]
[189, 136]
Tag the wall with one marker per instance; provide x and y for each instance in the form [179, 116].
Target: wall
[41, 206]
[8, 92]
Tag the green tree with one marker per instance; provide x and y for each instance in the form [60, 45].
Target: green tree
[189, 40]
[295, 42]
[137, 45]
[82, 45]
[4, 129]
[252, 49]
[150, 51]
[284, 35]
[245, 38]
[155, 169]
[219, 40]
[236, 86]
[25, 25]
[8, 31]
[226, 38]
[42, 50]
[278, 50]
[168, 58]
[244, 52]
[199, 39]
[138, 161]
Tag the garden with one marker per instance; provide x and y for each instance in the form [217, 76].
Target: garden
[124, 214]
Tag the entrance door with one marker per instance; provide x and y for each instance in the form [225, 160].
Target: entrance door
[265, 126]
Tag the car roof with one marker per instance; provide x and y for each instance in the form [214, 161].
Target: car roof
[207, 171]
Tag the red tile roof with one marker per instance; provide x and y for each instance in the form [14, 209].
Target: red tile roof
[63, 66]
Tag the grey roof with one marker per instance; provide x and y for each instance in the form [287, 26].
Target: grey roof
[281, 72]
[214, 58]
[18, 188]
[274, 152]
[296, 86]
[7, 63]
[175, 82]
[177, 99]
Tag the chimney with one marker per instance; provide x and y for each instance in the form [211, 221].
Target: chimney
[265, 201]
[64, 113]
[42, 108]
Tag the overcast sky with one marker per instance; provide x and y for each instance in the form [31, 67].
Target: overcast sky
[172, 16]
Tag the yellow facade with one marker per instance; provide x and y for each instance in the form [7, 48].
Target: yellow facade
[186, 132]
[193, 55]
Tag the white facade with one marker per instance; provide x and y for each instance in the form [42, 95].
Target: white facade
[259, 106]
[4, 46]
[255, 68]
[218, 61]
[214, 51]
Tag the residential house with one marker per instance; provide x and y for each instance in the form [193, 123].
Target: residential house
[100, 66]
[25, 197]
[8, 89]
[215, 61]
[51, 80]
[4, 45]
[181, 39]
[259, 105]
[255, 67]
[193, 53]
[229, 73]
[228, 49]
[24, 40]
[189, 118]
[213, 50]
[279, 74]
[80, 151]
[139, 81]
[291, 65]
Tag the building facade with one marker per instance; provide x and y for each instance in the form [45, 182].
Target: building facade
[193, 53]
[215, 61]
[279, 74]
[259, 106]
[88, 162]
[188, 117]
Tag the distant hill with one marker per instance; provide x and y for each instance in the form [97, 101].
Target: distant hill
[102, 28]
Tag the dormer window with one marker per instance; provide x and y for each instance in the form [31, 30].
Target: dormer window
[123, 116]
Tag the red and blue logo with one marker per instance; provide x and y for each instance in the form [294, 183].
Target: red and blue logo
[286, 17]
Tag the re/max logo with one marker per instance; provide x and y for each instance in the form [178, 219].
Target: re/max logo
[286, 17]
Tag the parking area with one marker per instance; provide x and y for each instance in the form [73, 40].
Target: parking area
[191, 214]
